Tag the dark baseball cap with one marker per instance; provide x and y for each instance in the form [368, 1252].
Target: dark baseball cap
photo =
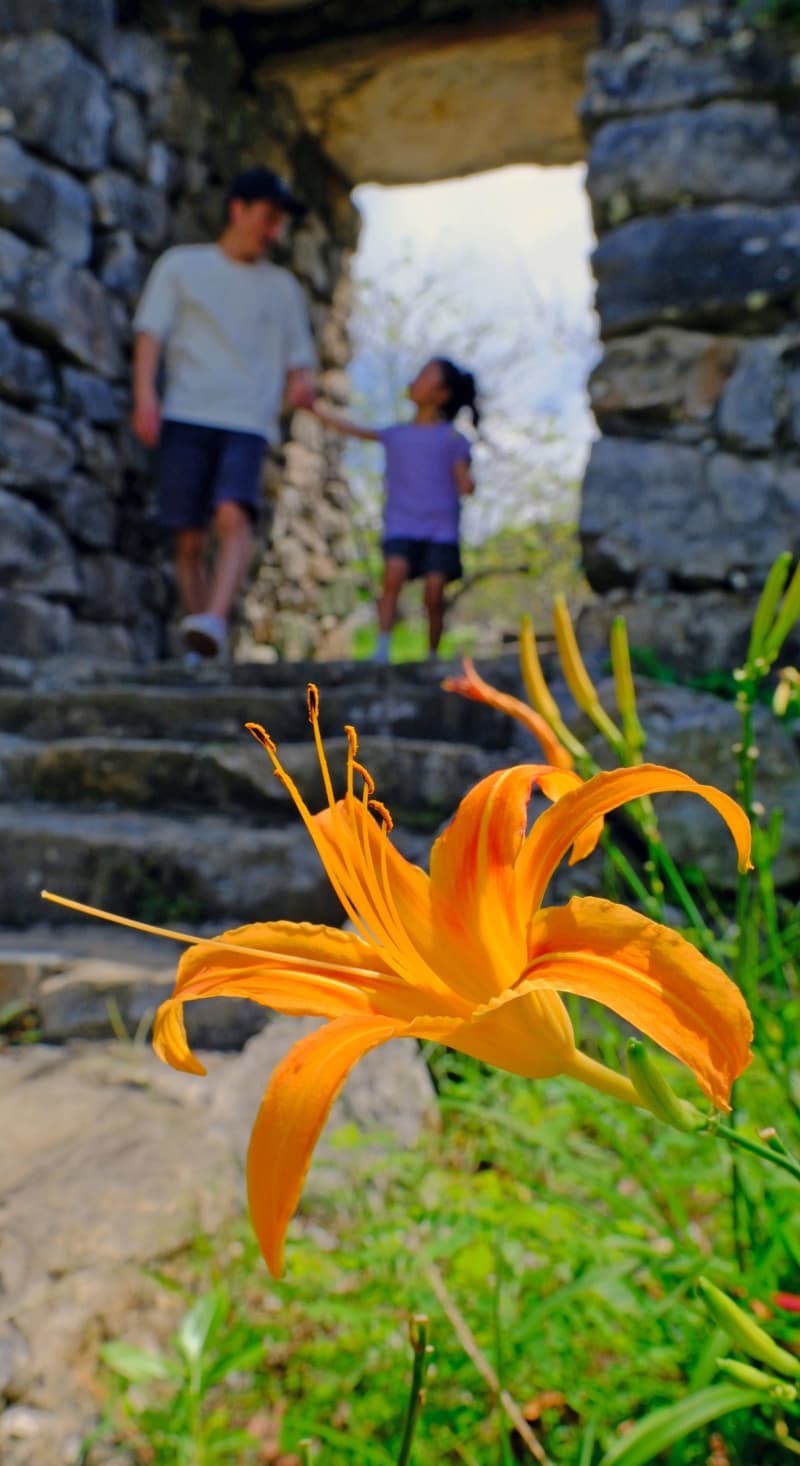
[256, 184]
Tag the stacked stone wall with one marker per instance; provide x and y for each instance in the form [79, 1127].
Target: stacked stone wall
[115, 142]
[693, 115]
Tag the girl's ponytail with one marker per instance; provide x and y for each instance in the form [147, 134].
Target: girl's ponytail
[462, 389]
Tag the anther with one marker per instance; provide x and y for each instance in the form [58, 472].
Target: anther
[262, 736]
[366, 776]
[312, 702]
[382, 813]
[352, 739]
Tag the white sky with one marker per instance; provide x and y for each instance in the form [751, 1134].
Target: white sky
[508, 248]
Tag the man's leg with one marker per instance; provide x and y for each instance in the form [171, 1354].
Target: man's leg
[434, 605]
[232, 528]
[191, 549]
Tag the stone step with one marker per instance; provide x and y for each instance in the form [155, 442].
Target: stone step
[421, 782]
[391, 706]
[168, 870]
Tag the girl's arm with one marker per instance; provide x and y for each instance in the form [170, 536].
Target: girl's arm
[465, 483]
[341, 425]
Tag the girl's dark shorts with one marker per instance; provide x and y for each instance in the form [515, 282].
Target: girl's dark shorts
[200, 467]
[426, 557]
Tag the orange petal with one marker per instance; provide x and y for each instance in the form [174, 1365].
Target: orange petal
[526, 1030]
[653, 978]
[560, 827]
[473, 686]
[293, 1111]
[473, 890]
[293, 967]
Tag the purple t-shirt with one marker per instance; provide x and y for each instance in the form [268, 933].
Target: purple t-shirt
[422, 501]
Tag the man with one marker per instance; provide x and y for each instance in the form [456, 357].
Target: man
[233, 330]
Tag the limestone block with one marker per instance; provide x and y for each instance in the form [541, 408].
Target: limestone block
[128, 141]
[110, 588]
[625, 20]
[15, 259]
[101, 642]
[61, 102]
[138, 208]
[25, 372]
[716, 262]
[697, 520]
[99, 455]
[653, 75]
[121, 265]
[727, 151]
[87, 512]
[748, 413]
[45, 205]
[68, 307]
[33, 627]
[91, 396]
[32, 450]
[34, 553]
[694, 634]
[89, 23]
[136, 60]
[664, 374]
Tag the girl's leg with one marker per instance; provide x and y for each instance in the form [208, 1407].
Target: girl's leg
[435, 582]
[395, 575]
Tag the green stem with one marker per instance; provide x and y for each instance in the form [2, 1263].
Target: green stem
[781, 1158]
[418, 1334]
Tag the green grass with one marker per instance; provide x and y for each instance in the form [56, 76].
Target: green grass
[568, 1230]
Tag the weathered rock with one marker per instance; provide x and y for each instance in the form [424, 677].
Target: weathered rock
[45, 205]
[34, 553]
[749, 411]
[700, 520]
[625, 20]
[32, 450]
[694, 634]
[122, 203]
[654, 75]
[33, 627]
[99, 453]
[663, 376]
[138, 61]
[96, 641]
[87, 512]
[722, 262]
[121, 265]
[25, 372]
[110, 588]
[91, 396]
[61, 102]
[89, 23]
[128, 143]
[421, 782]
[64, 306]
[209, 868]
[120, 1159]
[21, 973]
[730, 151]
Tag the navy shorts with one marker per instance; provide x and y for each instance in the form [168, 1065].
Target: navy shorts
[200, 467]
[425, 557]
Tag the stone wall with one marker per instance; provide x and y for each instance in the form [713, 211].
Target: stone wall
[116, 141]
[693, 115]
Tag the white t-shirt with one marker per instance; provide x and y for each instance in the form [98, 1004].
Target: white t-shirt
[231, 332]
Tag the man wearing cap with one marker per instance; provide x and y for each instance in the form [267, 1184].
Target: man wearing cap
[233, 331]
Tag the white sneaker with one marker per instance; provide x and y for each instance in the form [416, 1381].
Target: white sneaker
[205, 634]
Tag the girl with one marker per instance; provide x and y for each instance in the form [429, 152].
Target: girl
[427, 475]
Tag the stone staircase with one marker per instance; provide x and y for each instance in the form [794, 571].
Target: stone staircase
[144, 794]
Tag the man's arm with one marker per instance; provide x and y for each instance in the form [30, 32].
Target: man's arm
[300, 388]
[341, 425]
[146, 416]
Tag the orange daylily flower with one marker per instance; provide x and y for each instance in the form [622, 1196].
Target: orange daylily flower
[466, 956]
